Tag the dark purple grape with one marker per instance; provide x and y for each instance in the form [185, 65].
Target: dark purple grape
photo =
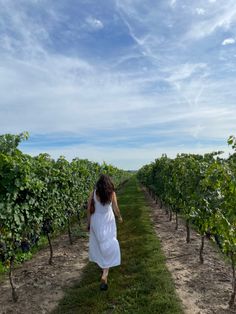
[3, 251]
[34, 239]
[25, 246]
[47, 226]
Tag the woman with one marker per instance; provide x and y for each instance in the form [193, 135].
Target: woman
[104, 247]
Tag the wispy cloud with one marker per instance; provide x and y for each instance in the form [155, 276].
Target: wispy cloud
[221, 16]
[130, 157]
[94, 23]
[185, 71]
[200, 11]
[173, 3]
[118, 81]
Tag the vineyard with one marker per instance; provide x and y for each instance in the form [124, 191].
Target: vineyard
[40, 196]
[41, 199]
[202, 189]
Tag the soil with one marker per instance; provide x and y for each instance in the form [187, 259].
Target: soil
[41, 286]
[203, 288]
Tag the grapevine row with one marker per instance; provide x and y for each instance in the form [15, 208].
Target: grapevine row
[39, 195]
[202, 188]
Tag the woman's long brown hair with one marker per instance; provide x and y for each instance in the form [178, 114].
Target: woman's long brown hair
[104, 189]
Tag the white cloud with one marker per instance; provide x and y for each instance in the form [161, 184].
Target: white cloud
[223, 17]
[94, 23]
[185, 71]
[228, 41]
[166, 93]
[200, 11]
[173, 3]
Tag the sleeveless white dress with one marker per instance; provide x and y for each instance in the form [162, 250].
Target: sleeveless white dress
[104, 248]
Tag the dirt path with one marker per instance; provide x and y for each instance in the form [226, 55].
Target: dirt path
[40, 286]
[203, 289]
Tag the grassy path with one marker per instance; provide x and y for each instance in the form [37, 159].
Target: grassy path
[142, 283]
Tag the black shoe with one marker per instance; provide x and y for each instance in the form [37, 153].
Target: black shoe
[103, 286]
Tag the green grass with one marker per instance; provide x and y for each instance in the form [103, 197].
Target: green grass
[141, 284]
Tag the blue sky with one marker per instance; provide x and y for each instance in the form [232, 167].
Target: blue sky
[120, 81]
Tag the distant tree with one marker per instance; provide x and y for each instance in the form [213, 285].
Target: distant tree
[10, 142]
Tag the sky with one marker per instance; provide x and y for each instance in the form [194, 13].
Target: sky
[120, 81]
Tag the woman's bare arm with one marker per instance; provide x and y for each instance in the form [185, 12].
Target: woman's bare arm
[116, 207]
[88, 210]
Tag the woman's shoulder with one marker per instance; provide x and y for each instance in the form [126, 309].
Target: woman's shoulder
[113, 196]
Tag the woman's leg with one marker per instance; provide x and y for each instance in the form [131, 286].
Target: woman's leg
[105, 274]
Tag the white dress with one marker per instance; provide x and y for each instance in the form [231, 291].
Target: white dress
[104, 248]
